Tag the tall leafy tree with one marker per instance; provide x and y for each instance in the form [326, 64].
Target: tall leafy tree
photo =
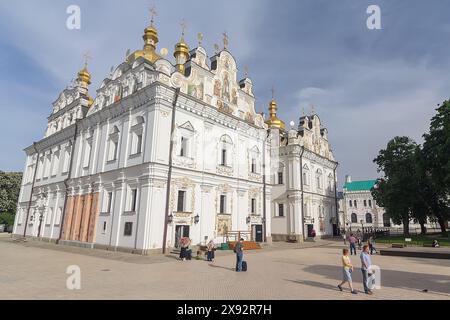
[9, 191]
[396, 191]
[436, 161]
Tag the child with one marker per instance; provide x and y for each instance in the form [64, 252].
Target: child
[210, 251]
[347, 269]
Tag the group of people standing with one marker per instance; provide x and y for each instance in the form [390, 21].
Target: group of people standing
[186, 252]
[357, 240]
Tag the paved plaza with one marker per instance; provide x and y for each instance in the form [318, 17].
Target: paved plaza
[35, 270]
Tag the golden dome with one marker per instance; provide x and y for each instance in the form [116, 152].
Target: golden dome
[181, 54]
[273, 121]
[148, 52]
[84, 76]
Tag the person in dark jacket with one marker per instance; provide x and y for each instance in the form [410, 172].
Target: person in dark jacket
[239, 250]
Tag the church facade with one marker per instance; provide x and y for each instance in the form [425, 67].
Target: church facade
[169, 150]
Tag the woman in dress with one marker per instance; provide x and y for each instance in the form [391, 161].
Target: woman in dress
[347, 269]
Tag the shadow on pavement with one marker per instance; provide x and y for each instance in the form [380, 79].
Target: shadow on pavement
[391, 278]
[315, 284]
[221, 267]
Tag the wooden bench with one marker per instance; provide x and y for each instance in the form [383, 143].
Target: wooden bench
[248, 245]
[398, 245]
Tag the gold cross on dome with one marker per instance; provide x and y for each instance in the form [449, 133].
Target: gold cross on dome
[200, 38]
[225, 40]
[87, 56]
[153, 14]
[183, 25]
[273, 93]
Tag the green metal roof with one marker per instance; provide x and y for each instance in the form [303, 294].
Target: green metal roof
[359, 185]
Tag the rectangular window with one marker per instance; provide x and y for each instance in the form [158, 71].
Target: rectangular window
[365, 203]
[224, 157]
[181, 200]
[112, 150]
[128, 230]
[47, 165]
[87, 154]
[107, 203]
[223, 199]
[48, 219]
[139, 143]
[133, 199]
[305, 179]
[58, 216]
[66, 161]
[280, 177]
[355, 204]
[183, 149]
[370, 203]
[350, 203]
[253, 165]
[281, 210]
[253, 205]
[40, 172]
[55, 165]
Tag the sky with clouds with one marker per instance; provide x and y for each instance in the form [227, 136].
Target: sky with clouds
[366, 85]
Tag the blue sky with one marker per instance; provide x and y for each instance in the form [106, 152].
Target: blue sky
[366, 85]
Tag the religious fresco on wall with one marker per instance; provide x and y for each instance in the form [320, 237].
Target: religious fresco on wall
[223, 225]
[234, 96]
[226, 88]
[196, 91]
[217, 88]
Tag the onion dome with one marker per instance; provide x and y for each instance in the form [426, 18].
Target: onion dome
[84, 77]
[148, 52]
[273, 122]
[181, 52]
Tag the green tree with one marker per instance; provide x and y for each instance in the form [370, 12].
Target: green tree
[9, 194]
[396, 191]
[436, 161]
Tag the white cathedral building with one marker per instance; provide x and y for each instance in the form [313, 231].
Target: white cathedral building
[170, 150]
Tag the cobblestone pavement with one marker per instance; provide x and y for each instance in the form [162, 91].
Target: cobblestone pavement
[34, 270]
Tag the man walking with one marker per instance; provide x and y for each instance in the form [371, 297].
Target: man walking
[239, 250]
[366, 264]
[352, 241]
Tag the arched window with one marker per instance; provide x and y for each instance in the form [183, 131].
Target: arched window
[225, 150]
[368, 218]
[113, 142]
[136, 135]
[349, 203]
[354, 218]
[305, 175]
[386, 220]
[355, 203]
[254, 155]
[319, 179]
